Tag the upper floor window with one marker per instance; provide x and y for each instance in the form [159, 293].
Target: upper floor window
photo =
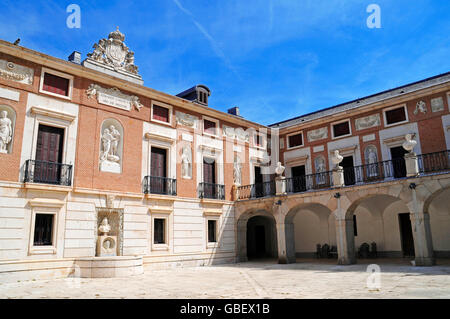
[295, 140]
[160, 114]
[395, 115]
[203, 97]
[341, 129]
[56, 83]
[209, 127]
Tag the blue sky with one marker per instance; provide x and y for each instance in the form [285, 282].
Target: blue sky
[275, 59]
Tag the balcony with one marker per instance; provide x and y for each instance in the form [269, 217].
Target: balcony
[160, 185]
[48, 173]
[211, 191]
[432, 163]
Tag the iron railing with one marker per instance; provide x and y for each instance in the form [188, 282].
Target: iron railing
[160, 185]
[48, 173]
[374, 172]
[211, 191]
[437, 162]
[434, 162]
[305, 183]
[257, 190]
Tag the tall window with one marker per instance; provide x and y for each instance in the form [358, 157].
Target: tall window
[395, 116]
[160, 113]
[159, 230]
[212, 231]
[209, 127]
[56, 84]
[43, 230]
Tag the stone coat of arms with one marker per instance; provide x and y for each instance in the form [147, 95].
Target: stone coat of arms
[113, 52]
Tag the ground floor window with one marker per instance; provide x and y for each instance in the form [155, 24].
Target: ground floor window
[159, 231]
[212, 231]
[43, 230]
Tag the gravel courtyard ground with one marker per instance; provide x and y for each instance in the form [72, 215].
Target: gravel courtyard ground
[262, 279]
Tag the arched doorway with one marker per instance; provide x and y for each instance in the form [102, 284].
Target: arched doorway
[261, 238]
[256, 236]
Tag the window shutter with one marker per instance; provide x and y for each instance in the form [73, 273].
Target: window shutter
[56, 84]
[160, 113]
[295, 140]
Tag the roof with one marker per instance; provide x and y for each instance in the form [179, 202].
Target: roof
[398, 91]
[193, 89]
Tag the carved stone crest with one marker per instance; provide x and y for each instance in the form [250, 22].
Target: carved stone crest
[113, 97]
[421, 107]
[437, 104]
[115, 53]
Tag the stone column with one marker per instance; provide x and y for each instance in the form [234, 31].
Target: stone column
[285, 237]
[412, 165]
[423, 244]
[345, 241]
[286, 244]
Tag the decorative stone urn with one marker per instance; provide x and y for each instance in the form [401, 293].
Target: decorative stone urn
[106, 245]
[411, 162]
[338, 171]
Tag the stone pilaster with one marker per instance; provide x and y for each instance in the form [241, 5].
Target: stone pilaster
[345, 241]
[423, 244]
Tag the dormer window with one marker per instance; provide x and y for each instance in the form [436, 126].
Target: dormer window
[203, 97]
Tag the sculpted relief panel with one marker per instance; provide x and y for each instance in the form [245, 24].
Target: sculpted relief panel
[111, 148]
[186, 119]
[113, 97]
[368, 122]
[319, 134]
[15, 72]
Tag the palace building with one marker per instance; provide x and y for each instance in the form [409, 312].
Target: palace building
[101, 176]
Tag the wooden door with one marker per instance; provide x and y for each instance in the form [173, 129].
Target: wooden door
[398, 161]
[49, 150]
[158, 171]
[209, 178]
[349, 170]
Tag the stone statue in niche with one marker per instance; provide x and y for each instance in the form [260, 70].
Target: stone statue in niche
[371, 159]
[109, 157]
[106, 245]
[237, 172]
[320, 169]
[5, 131]
[186, 162]
[104, 227]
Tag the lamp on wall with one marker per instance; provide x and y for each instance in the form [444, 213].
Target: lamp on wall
[337, 195]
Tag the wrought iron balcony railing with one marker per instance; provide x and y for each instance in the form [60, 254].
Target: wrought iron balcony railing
[48, 173]
[257, 190]
[309, 182]
[434, 162]
[211, 191]
[160, 185]
[438, 162]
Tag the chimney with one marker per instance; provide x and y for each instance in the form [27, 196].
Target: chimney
[234, 111]
[75, 57]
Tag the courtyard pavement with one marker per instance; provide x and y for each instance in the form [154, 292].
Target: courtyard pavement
[256, 279]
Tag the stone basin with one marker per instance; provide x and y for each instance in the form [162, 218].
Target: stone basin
[108, 267]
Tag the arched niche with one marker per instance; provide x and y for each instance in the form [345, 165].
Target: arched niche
[7, 125]
[111, 146]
